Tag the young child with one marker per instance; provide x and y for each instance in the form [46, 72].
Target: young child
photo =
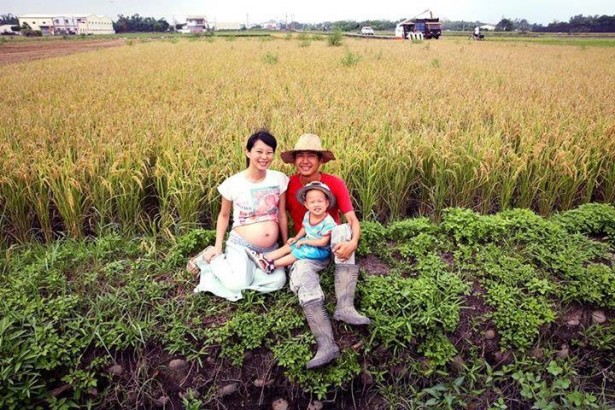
[312, 240]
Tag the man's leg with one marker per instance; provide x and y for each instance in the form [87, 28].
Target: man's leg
[304, 282]
[346, 277]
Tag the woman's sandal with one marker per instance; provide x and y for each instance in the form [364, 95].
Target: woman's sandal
[260, 260]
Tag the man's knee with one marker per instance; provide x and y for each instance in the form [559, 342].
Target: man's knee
[341, 233]
[305, 297]
[304, 280]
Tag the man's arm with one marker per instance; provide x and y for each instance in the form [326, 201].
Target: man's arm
[344, 250]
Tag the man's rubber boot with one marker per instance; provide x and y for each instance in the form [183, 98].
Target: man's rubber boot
[320, 326]
[346, 277]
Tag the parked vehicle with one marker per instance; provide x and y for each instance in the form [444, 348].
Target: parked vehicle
[367, 31]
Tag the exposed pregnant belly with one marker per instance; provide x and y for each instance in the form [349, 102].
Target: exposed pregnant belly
[261, 234]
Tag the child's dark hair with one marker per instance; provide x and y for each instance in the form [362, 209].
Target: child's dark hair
[260, 135]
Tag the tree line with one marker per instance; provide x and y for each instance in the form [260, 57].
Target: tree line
[576, 24]
[137, 23]
[582, 24]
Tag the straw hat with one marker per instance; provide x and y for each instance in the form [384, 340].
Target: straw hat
[302, 192]
[307, 142]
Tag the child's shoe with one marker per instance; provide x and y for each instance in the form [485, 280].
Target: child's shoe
[260, 260]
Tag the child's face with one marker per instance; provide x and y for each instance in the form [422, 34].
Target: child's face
[316, 202]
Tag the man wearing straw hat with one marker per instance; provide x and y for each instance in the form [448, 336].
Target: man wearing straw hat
[308, 155]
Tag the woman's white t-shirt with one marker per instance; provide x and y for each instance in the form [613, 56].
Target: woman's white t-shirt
[254, 202]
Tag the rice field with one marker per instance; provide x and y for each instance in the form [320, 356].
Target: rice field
[135, 138]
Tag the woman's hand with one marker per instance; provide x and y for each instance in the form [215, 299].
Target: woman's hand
[192, 267]
[291, 240]
[211, 253]
[206, 254]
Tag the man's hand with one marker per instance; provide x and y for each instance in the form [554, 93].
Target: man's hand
[344, 250]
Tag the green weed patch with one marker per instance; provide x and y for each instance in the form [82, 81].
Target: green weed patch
[545, 288]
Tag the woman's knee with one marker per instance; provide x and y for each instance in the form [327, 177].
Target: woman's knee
[234, 276]
[278, 279]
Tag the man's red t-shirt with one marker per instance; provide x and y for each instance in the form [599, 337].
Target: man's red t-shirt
[343, 204]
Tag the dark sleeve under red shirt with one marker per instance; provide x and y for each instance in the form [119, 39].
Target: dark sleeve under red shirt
[338, 188]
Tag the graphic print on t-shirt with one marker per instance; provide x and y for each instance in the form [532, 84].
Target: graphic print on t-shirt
[263, 206]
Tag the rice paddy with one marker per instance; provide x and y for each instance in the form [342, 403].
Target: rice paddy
[135, 139]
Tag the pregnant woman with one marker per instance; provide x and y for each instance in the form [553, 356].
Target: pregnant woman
[256, 197]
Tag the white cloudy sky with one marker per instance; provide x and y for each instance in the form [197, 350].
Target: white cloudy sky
[256, 11]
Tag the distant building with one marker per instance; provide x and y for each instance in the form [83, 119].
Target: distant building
[50, 25]
[64, 25]
[38, 22]
[487, 27]
[7, 29]
[195, 24]
[94, 24]
[271, 25]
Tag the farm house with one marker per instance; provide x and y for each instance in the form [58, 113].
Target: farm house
[195, 24]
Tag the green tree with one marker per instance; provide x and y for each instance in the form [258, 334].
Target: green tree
[137, 23]
[505, 25]
[9, 19]
[522, 24]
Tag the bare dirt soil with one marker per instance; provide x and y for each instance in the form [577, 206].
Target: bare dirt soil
[12, 52]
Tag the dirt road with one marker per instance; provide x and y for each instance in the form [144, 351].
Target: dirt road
[12, 51]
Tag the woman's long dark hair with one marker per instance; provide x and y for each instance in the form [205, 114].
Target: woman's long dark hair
[260, 135]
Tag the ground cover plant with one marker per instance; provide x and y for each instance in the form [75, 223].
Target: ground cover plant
[133, 139]
[509, 310]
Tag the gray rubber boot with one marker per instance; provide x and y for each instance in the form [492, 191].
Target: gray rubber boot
[346, 277]
[320, 326]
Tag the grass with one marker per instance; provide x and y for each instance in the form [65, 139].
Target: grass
[557, 40]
